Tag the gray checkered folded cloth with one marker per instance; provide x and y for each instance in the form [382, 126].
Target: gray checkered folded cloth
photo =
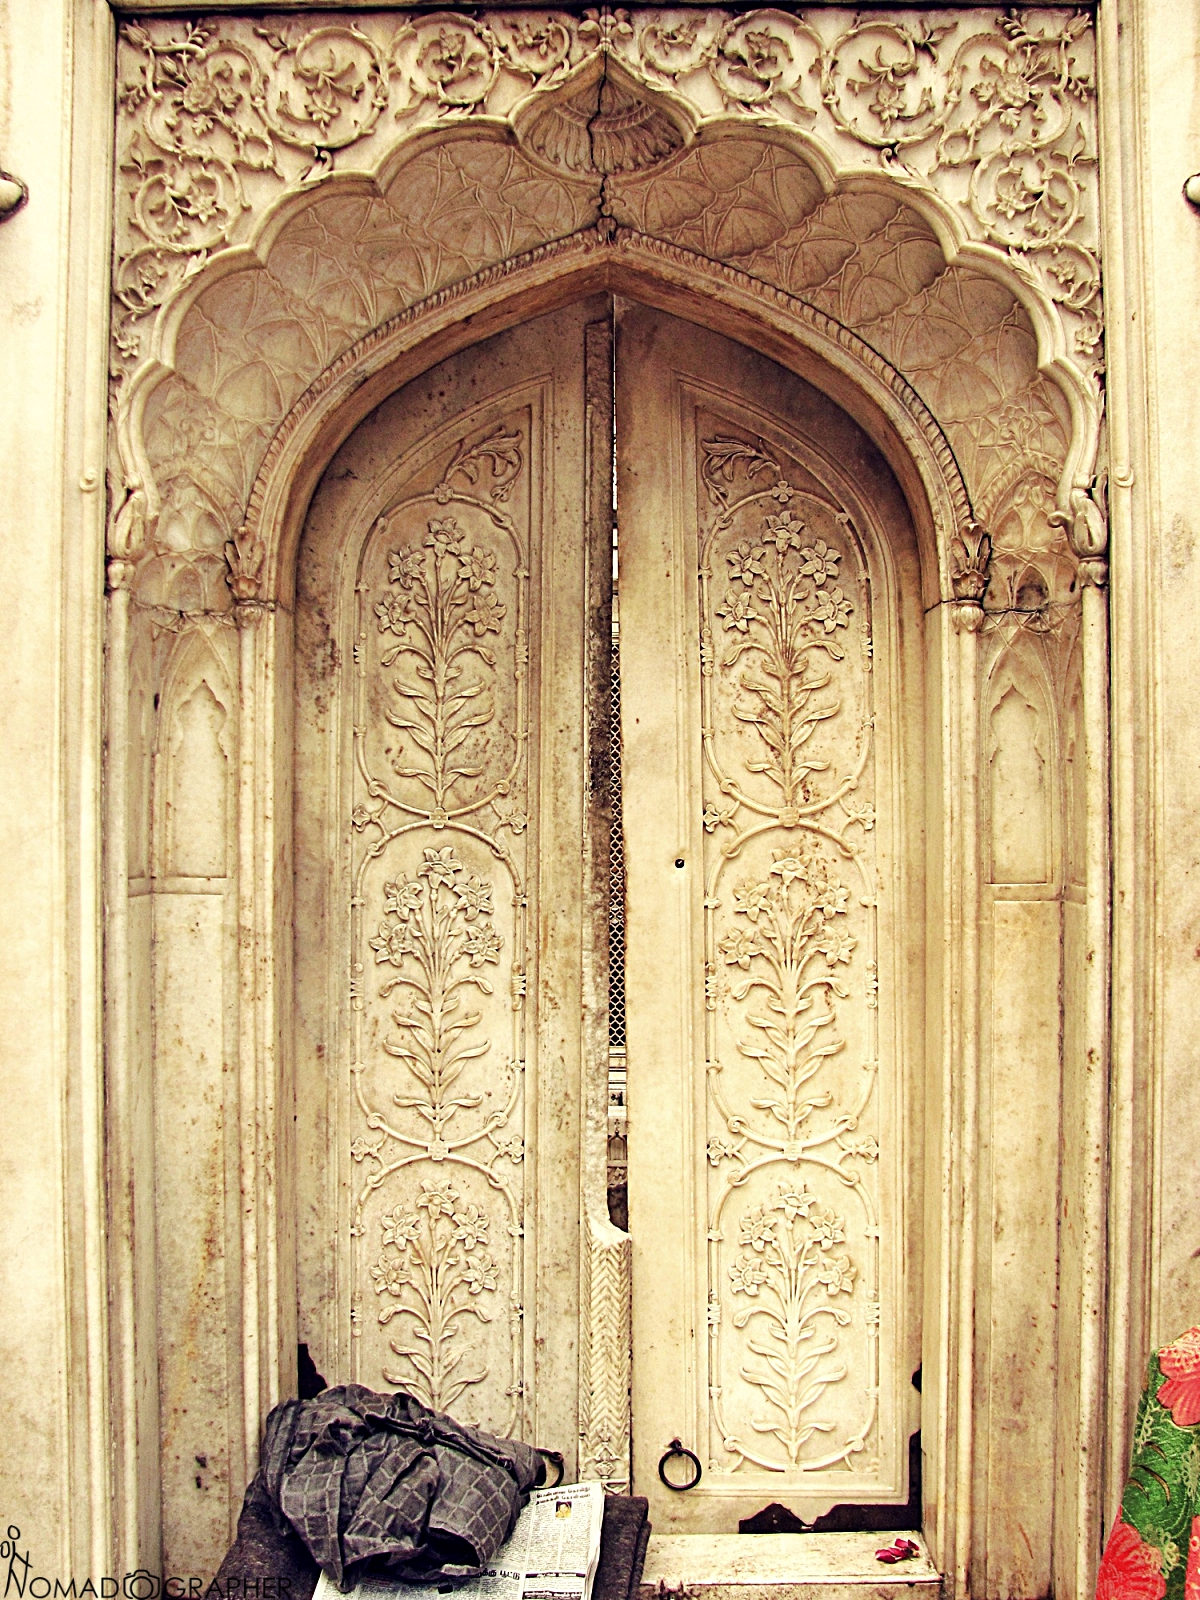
[381, 1479]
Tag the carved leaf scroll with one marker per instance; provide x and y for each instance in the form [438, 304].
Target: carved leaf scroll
[220, 119]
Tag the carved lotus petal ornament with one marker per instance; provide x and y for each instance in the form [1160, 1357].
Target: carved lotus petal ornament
[608, 124]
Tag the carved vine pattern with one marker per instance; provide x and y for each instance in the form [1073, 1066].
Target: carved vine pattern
[218, 116]
[779, 619]
[443, 638]
[204, 484]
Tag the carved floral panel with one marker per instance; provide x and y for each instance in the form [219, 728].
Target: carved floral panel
[439, 912]
[795, 1286]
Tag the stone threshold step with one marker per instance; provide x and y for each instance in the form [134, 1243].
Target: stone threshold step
[784, 1566]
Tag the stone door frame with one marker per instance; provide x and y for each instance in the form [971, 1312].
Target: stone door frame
[116, 1155]
[916, 448]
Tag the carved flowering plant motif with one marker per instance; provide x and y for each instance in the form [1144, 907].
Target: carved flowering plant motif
[968, 90]
[436, 943]
[789, 940]
[216, 117]
[434, 1268]
[1025, 77]
[198, 90]
[436, 931]
[790, 961]
[900, 102]
[332, 82]
[606, 26]
[1022, 125]
[500, 449]
[441, 608]
[535, 45]
[785, 609]
[756, 56]
[793, 1271]
[459, 63]
[722, 459]
[438, 1035]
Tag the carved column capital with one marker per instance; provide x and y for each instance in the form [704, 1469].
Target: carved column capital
[970, 555]
[246, 555]
[120, 575]
[1093, 573]
[127, 533]
[1086, 523]
[249, 613]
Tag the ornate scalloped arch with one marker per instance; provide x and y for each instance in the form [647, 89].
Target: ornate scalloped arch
[965, 268]
[793, 331]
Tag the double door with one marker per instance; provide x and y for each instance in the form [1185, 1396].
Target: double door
[518, 885]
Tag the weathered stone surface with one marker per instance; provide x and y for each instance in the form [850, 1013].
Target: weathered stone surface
[940, 204]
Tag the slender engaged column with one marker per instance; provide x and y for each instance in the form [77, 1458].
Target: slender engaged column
[122, 1323]
[1094, 1177]
[249, 613]
[132, 1263]
[968, 620]
[245, 555]
[971, 557]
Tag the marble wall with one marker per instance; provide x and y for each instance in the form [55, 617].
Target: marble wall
[86, 1232]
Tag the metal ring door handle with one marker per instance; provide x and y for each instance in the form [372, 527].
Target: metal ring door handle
[673, 1450]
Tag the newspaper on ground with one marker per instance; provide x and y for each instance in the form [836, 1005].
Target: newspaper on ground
[552, 1554]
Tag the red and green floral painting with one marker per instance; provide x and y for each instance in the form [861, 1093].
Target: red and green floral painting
[1153, 1551]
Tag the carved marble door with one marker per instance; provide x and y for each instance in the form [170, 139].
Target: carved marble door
[772, 724]
[441, 945]
[452, 649]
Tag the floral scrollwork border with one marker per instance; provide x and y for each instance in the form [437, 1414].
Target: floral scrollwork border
[995, 112]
